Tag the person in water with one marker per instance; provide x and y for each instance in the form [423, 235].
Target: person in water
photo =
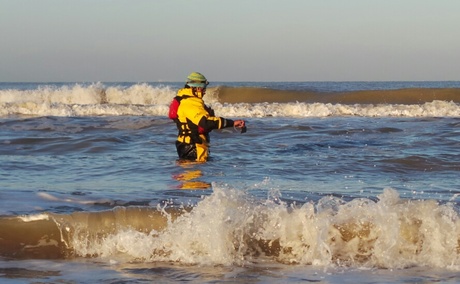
[195, 120]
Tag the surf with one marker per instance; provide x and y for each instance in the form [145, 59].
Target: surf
[230, 227]
[147, 100]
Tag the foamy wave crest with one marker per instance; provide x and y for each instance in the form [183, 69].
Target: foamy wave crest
[144, 99]
[231, 227]
[431, 109]
[76, 94]
[92, 100]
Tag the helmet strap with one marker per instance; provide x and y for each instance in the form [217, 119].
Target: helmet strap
[196, 93]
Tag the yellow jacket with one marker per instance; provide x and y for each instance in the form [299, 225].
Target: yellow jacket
[195, 119]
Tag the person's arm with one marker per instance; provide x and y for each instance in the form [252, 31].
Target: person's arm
[196, 111]
[210, 123]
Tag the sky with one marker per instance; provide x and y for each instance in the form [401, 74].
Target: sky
[237, 40]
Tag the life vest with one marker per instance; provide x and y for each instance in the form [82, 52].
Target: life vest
[173, 107]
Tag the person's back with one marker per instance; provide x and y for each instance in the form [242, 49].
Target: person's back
[195, 120]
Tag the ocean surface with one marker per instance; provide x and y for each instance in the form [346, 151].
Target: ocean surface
[333, 182]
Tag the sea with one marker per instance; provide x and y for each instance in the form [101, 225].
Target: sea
[333, 182]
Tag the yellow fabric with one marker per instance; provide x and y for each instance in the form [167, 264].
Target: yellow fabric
[193, 109]
[202, 150]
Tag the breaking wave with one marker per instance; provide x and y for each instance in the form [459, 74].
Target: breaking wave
[231, 227]
[147, 100]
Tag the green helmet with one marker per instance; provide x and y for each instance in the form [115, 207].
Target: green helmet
[196, 79]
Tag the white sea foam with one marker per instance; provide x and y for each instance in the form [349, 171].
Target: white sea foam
[229, 227]
[144, 99]
[32, 218]
[431, 109]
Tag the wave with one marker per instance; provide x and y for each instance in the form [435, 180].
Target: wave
[230, 227]
[148, 100]
[399, 96]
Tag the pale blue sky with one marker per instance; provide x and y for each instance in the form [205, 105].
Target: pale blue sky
[237, 40]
